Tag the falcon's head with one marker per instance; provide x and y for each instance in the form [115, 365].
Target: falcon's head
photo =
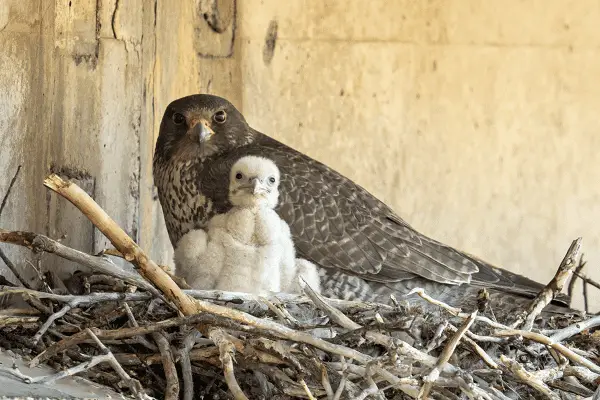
[253, 181]
[199, 126]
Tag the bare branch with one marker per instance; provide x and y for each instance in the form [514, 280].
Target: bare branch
[133, 323]
[528, 378]
[51, 320]
[565, 351]
[553, 288]
[10, 186]
[307, 390]
[172, 388]
[457, 312]
[227, 350]
[3, 256]
[575, 329]
[576, 272]
[482, 353]
[133, 384]
[331, 311]
[326, 383]
[39, 242]
[588, 280]
[430, 379]
[122, 242]
[186, 365]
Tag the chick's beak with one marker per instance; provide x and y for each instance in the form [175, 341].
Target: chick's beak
[257, 186]
[201, 130]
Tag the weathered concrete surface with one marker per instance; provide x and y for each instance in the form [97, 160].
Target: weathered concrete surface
[475, 120]
[73, 98]
[67, 388]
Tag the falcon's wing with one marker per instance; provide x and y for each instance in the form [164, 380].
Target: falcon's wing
[338, 224]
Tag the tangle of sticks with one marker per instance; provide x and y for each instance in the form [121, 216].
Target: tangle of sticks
[145, 335]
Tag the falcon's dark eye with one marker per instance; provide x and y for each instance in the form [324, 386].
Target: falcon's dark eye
[238, 176]
[220, 117]
[178, 119]
[272, 180]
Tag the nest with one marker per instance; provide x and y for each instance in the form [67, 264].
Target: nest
[148, 336]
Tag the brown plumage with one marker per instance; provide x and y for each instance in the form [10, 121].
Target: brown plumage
[366, 250]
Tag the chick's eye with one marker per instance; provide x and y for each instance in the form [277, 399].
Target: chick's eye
[272, 180]
[178, 119]
[238, 176]
[220, 117]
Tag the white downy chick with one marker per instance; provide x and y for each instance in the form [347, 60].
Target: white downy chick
[309, 273]
[249, 248]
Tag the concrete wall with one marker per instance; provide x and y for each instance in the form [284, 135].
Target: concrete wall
[475, 120]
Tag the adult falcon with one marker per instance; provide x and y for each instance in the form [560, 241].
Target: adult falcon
[366, 251]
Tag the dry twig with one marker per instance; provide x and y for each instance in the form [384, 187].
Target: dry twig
[457, 312]
[172, 388]
[430, 379]
[133, 384]
[565, 351]
[575, 329]
[3, 256]
[227, 351]
[43, 243]
[564, 272]
[122, 242]
[528, 378]
[186, 365]
[576, 272]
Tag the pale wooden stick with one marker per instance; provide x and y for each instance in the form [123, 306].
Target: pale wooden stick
[342, 385]
[49, 379]
[227, 349]
[545, 340]
[134, 324]
[457, 312]
[482, 353]
[307, 390]
[235, 299]
[564, 272]
[186, 365]
[284, 316]
[370, 390]
[122, 242]
[583, 374]
[574, 329]
[133, 384]
[571, 330]
[38, 335]
[528, 378]
[16, 272]
[178, 280]
[38, 242]
[172, 386]
[430, 379]
[326, 383]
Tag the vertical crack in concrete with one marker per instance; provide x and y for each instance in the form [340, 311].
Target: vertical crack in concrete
[114, 19]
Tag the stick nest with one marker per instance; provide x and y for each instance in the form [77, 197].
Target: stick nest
[145, 336]
[378, 351]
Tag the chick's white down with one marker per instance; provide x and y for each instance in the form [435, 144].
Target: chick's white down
[249, 248]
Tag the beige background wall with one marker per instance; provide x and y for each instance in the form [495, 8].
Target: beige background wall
[476, 120]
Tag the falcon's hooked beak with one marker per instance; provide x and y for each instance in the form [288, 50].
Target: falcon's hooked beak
[201, 129]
